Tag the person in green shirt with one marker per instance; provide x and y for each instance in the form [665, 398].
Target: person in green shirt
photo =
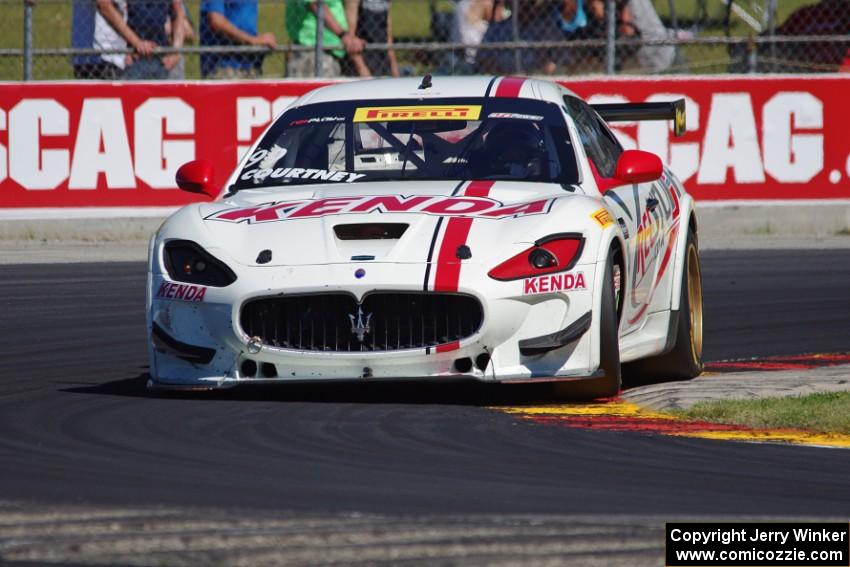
[301, 27]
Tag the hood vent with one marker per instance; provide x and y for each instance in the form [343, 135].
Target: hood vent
[370, 231]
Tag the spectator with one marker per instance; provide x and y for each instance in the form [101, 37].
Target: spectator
[471, 19]
[372, 23]
[586, 19]
[178, 72]
[626, 28]
[232, 22]
[148, 20]
[102, 24]
[648, 24]
[301, 27]
[576, 23]
[536, 21]
[625, 22]
[553, 21]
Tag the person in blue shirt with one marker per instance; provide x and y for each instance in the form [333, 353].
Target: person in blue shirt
[232, 22]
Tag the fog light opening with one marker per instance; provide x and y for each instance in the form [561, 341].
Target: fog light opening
[482, 361]
[268, 370]
[463, 365]
[249, 368]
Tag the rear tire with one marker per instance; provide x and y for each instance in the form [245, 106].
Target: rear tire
[609, 347]
[684, 361]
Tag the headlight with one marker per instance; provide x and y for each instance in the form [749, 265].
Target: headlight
[187, 262]
[554, 253]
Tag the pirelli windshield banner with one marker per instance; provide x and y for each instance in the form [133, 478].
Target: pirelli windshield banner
[418, 112]
[119, 144]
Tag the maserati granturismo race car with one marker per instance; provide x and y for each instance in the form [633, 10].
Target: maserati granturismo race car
[488, 228]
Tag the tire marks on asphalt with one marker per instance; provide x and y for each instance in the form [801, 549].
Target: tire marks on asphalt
[126, 536]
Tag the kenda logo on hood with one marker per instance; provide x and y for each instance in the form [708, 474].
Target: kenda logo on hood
[479, 207]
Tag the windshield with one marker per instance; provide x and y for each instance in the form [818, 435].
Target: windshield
[391, 140]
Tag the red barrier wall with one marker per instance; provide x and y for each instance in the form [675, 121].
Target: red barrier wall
[118, 145]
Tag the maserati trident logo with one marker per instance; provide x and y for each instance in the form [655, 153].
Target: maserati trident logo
[359, 324]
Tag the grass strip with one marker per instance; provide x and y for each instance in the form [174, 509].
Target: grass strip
[823, 413]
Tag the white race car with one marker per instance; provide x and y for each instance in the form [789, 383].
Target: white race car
[487, 228]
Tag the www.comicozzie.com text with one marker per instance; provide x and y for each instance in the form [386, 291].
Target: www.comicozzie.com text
[727, 536]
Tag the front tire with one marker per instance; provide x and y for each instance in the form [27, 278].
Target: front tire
[609, 385]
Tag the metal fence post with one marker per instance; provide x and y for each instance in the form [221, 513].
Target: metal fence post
[752, 56]
[28, 40]
[611, 36]
[674, 22]
[771, 31]
[515, 26]
[674, 16]
[320, 37]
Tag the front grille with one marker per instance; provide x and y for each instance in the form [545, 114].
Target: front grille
[396, 321]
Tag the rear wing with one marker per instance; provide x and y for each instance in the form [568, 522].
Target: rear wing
[626, 112]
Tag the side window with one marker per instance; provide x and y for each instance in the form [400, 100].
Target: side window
[609, 141]
[599, 144]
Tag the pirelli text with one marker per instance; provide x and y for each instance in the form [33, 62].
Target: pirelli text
[757, 544]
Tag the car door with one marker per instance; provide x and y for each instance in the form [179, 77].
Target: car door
[637, 208]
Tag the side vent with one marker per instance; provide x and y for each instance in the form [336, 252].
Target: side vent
[370, 231]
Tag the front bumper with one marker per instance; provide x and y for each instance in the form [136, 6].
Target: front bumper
[512, 314]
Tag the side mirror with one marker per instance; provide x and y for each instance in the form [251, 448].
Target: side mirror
[197, 177]
[636, 166]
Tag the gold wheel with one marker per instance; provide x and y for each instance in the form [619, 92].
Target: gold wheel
[695, 303]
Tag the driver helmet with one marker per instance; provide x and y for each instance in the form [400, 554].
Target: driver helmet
[515, 147]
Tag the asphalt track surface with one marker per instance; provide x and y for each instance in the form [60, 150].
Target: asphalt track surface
[78, 427]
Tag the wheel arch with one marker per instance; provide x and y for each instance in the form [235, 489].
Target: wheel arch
[619, 244]
[611, 238]
[608, 239]
[681, 251]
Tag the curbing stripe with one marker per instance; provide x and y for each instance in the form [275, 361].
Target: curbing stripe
[618, 415]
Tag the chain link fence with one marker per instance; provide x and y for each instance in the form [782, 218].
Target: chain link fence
[243, 39]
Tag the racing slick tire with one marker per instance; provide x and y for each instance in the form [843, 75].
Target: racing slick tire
[684, 360]
[609, 346]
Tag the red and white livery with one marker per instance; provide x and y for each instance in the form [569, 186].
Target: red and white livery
[483, 227]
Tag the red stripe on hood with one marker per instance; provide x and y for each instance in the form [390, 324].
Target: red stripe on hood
[448, 265]
[509, 87]
[478, 188]
[447, 274]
